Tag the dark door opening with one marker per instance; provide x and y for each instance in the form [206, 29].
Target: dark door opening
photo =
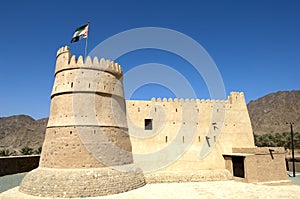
[238, 166]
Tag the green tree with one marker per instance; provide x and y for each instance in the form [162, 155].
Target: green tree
[277, 140]
[38, 150]
[5, 152]
[26, 151]
[297, 140]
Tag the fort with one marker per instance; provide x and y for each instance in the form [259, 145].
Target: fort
[99, 144]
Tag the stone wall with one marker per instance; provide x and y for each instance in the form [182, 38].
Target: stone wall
[18, 164]
[187, 135]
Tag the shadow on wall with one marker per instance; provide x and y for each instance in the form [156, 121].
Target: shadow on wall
[18, 164]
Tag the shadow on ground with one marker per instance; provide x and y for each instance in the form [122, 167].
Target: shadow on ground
[9, 181]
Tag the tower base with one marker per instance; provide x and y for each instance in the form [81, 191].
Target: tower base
[91, 182]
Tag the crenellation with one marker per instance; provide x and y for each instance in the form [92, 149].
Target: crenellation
[73, 61]
[120, 69]
[67, 62]
[96, 61]
[80, 61]
[64, 49]
[102, 62]
[88, 62]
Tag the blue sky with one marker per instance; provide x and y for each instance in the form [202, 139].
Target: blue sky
[255, 44]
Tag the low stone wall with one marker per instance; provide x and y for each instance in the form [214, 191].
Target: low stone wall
[191, 176]
[289, 164]
[18, 164]
[91, 182]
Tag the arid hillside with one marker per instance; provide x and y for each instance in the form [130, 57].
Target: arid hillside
[20, 131]
[268, 114]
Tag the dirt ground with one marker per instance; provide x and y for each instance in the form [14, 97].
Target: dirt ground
[190, 190]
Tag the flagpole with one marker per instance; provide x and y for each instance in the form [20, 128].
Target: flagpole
[86, 42]
[85, 50]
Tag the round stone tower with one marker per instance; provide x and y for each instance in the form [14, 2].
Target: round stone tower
[87, 148]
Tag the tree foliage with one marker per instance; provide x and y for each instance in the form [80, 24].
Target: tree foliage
[277, 140]
[26, 151]
[5, 152]
[38, 151]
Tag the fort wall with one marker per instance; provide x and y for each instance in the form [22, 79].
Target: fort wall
[18, 164]
[199, 130]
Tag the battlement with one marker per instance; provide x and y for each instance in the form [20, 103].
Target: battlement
[66, 61]
[236, 97]
[235, 100]
[182, 100]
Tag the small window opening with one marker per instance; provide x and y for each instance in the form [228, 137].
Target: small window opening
[176, 109]
[148, 124]
[199, 138]
[71, 84]
[89, 85]
[139, 109]
[166, 139]
[70, 132]
[182, 139]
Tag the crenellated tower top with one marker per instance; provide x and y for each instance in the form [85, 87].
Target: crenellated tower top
[66, 61]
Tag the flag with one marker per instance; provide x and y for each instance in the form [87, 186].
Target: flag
[81, 32]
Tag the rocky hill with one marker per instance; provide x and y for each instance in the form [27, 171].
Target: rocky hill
[19, 131]
[270, 113]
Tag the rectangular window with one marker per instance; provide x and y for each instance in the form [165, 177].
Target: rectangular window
[148, 124]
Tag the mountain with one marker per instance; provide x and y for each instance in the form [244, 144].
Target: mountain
[269, 114]
[19, 131]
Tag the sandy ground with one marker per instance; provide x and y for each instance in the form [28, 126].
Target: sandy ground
[216, 189]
